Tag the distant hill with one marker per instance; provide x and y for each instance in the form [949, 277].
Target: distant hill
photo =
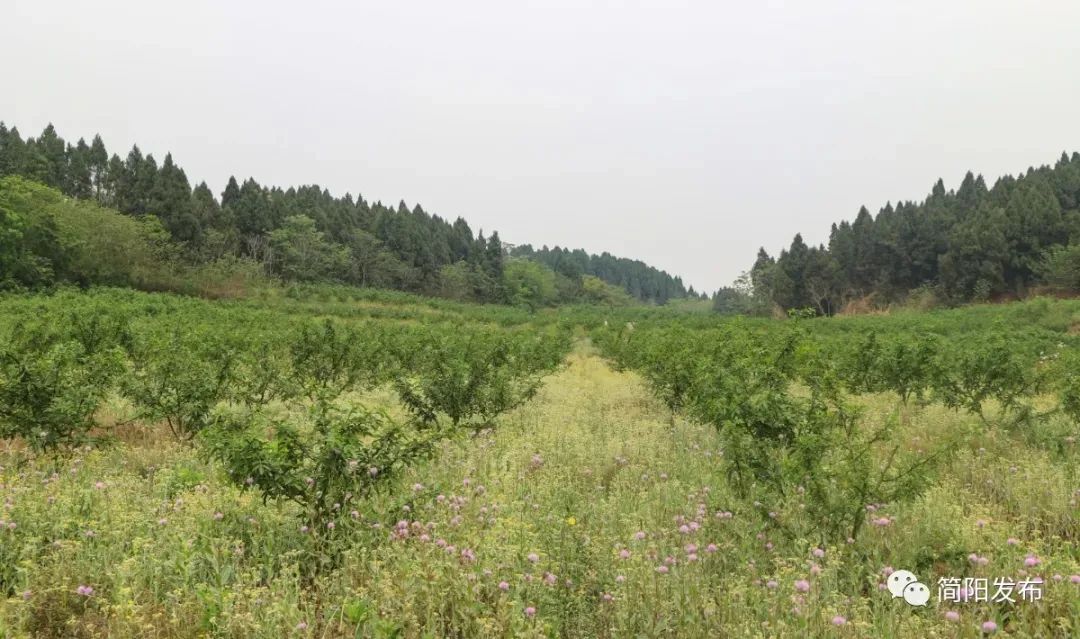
[971, 244]
[306, 234]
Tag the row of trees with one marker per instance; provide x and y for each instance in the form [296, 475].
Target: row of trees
[970, 244]
[299, 234]
[637, 278]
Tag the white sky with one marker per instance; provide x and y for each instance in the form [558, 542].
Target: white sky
[685, 134]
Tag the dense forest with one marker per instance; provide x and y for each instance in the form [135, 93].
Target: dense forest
[965, 245]
[306, 234]
[639, 279]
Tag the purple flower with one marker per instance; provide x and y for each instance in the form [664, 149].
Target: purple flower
[989, 626]
[819, 553]
[504, 586]
[1031, 560]
[802, 585]
[530, 612]
[639, 535]
[85, 591]
[662, 569]
[624, 554]
[838, 621]
[952, 615]
[533, 557]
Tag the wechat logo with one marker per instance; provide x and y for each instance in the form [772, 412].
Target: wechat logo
[904, 583]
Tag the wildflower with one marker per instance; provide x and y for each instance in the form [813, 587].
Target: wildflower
[881, 521]
[504, 586]
[570, 521]
[771, 584]
[802, 585]
[662, 569]
[815, 569]
[373, 471]
[330, 525]
[1074, 579]
[218, 516]
[711, 548]
[530, 612]
[99, 485]
[607, 597]
[624, 554]
[468, 555]
[639, 535]
[692, 557]
[304, 529]
[533, 557]
[549, 579]
[354, 514]
[979, 523]
[690, 549]
[989, 626]
[90, 534]
[838, 621]
[819, 553]
[301, 626]
[952, 615]
[1012, 541]
[85, 591]
[619, 579]
[684, 529]
[1031, 560]
[417, 487]
[309, 481]
[26, 595]
[984, 561]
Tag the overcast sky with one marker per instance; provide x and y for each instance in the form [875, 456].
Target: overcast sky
[683, 134]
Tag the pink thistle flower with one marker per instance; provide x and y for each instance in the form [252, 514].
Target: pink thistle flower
[530, 612]
[619, 579]
[1031, 561]
[692, 557]
[639, 535]
[218, 516]
[85, 591]
[684, 529]
[802, 585]
[1012, 541]
[624, 554]
[815, 569]
[952, 615]
[504, 586]
[711, 548]
[1074, 579]
[662, 569]
[302, 626]
[330, 525]
[771, 584]
[989, 627]
[819, 553]
[533, 557]
[838, 621]
[607, 597]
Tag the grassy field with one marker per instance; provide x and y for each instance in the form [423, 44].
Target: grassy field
[587, 512]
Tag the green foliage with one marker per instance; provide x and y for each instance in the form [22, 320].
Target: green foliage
[51, 383]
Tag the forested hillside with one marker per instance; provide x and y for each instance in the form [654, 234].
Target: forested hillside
[636, 277]
[970, 244]
[306, 234]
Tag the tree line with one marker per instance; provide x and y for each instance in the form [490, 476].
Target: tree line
[302, 233]
[966, 245]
